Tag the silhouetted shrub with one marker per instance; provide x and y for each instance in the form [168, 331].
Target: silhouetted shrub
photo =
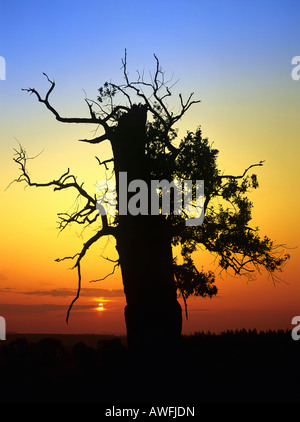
[47, 353]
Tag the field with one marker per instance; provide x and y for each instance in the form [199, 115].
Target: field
[241, 366]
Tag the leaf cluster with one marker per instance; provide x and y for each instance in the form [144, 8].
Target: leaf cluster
[107, 91]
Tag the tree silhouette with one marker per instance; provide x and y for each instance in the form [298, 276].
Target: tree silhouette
[136, 119]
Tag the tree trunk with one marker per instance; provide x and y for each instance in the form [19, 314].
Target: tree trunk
[153, 314]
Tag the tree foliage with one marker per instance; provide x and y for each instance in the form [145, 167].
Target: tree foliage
[226, 231]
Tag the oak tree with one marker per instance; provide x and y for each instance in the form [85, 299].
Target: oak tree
[136, 119]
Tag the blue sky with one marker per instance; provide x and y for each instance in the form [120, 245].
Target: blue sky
[70, 38]
[219, 49]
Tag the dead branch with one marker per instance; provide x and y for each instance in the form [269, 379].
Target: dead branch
[95, 140]
[117, 263]
[242, 175]
[92, 119]
[104, 162]
[158, 84]
[160, 90]
[105, 231]
[88, 214]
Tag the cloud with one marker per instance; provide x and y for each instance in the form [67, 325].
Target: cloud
[199, 310]
[62, 292]
[17, 308]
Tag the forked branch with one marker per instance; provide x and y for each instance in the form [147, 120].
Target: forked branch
[159, 91]
[105, 231]
[87, 215]
[228, 176]
[92, 119]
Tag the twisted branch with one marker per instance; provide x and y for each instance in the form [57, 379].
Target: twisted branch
[81, 217]
[242, 175]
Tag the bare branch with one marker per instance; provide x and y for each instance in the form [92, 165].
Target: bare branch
[95, 140]
[66, 257]
[109, 259]
[104, 162]
[84, 215]
[103, 232]
[120, 88]
[107, 275]
[241, 176]
[164, 116]
[77, 294]
[92, 119]
[92, 113]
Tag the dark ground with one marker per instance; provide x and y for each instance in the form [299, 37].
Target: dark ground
[242, 366]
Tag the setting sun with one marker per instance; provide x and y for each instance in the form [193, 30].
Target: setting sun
[100, 307]
[101, 303]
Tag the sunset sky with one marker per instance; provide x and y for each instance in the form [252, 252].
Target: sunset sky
[234, 55]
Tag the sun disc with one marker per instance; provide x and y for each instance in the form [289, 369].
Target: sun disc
[100, 307]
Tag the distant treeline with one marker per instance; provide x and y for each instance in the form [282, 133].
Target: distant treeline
[242, 365]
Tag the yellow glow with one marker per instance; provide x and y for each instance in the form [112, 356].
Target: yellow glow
[101, 303]
[100, 307]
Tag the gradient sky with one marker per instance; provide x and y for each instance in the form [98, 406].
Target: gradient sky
[236, 57]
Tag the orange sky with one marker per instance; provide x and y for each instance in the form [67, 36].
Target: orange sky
[249, 108]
